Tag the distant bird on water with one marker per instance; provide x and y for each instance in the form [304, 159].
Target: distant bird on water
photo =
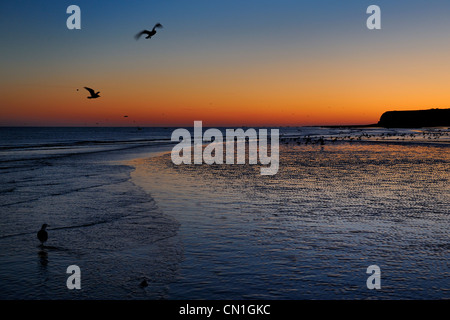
[148, 33]
[143, 283]
[42, 235]
[94, 94]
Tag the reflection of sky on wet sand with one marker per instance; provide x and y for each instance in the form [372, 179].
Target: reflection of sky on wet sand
[311, 230]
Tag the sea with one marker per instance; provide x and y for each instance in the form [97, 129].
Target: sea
[139, 227]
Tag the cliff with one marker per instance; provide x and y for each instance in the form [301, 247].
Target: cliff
[415, 119]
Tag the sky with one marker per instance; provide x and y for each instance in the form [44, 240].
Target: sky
[226, 63]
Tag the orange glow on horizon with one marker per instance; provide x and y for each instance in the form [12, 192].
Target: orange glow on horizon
[312, 67]
[313, 91]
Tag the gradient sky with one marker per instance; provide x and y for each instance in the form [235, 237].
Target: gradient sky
[227, 63]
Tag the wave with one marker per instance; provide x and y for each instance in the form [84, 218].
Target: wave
[58, 193]
[119, 146]
[64, 145]
[83, 225]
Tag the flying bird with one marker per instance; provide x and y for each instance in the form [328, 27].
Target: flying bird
[42, 235]
[148, 33]
[94, 94]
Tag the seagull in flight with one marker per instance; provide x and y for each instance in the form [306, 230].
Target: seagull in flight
[94, 94]
[148, 33]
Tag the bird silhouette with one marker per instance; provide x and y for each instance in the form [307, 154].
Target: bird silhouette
[143, 283]
[148, 33]
[94, 94]
[42, 235]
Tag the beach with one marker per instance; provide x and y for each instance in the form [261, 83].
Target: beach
[123, 212]
[311, 231]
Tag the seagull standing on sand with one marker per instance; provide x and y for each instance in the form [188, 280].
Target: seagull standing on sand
[94, 94]
[42, 235]
[148, 33]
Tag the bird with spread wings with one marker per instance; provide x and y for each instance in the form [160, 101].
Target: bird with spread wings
[94, 94]
[148, 33]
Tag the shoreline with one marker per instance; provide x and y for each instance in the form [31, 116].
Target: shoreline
[226, 232]
[98, 220]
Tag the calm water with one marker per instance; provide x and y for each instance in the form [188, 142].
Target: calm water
[312, 230]
[98, 219]
[123, 212]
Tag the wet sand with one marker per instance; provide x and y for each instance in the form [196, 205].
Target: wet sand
[310, 231]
